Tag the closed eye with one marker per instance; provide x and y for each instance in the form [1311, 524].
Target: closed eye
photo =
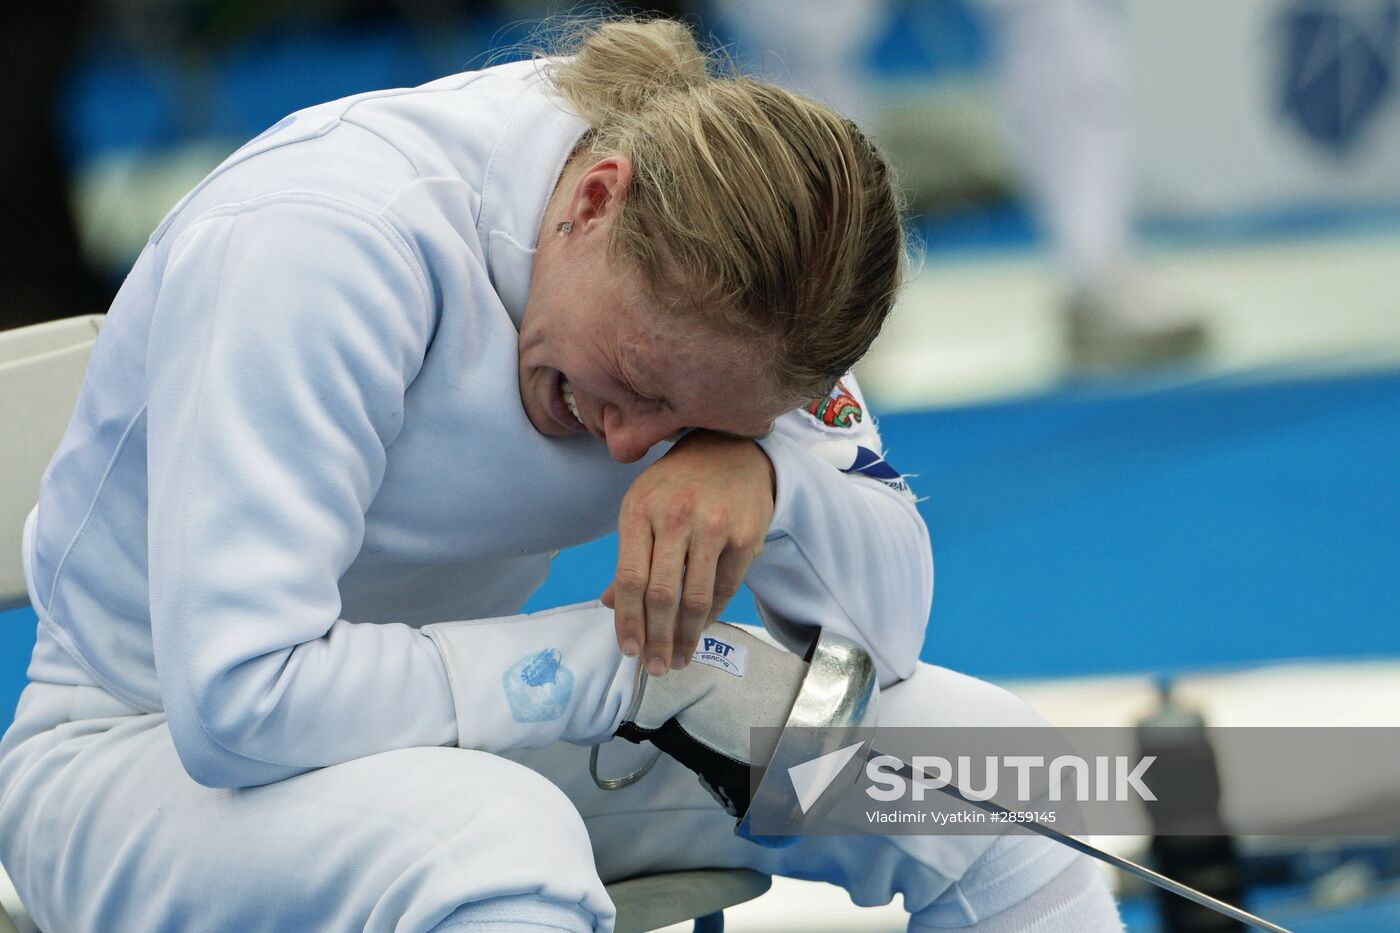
[654, 402]
[651, 402]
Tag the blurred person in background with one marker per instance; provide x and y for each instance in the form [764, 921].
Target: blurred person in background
[1064, 77]
[361, 383]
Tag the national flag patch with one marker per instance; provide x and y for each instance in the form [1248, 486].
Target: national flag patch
[837, 409]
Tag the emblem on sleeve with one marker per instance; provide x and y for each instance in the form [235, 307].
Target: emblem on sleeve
[538, 686]
[838, 409]
[868, 463]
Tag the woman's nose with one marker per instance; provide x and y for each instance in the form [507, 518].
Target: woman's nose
[629, 435]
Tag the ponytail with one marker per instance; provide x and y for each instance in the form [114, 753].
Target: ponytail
[621, 67]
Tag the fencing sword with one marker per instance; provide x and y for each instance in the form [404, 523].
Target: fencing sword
[1079, 845]
[839, 693]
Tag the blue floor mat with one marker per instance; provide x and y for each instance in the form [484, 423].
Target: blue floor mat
[1094, 531]
[1219, 524]
[1290, 909]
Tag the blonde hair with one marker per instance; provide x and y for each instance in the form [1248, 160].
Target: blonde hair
[773, 216]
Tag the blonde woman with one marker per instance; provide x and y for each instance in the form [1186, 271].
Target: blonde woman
[360, 385]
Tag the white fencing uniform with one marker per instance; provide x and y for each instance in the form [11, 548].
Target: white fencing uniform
[298, 463]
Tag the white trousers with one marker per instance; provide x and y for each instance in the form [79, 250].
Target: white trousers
[102, 830]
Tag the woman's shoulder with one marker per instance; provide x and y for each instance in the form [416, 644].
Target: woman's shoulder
[459, 131]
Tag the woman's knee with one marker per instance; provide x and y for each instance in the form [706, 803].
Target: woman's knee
[1025, 884]
[938, 696]
[479, 828]
[453, 790]
[518, 915]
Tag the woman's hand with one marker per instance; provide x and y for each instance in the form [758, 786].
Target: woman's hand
[689, 527]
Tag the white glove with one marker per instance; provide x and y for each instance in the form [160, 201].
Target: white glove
[529, 681]
[701, 715]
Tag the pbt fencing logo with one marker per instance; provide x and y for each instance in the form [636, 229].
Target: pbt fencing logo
[727, 656]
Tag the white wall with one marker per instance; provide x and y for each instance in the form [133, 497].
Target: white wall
[1210, 133]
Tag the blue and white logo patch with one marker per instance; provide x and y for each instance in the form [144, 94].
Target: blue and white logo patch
[538, 687]
[869, 463]
[728, 656]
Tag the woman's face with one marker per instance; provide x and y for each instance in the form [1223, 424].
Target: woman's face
[596, 355]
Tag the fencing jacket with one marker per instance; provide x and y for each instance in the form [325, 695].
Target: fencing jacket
[299, 465]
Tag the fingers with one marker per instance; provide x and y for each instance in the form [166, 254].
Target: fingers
[663, 600]
[689, 527]
[663, 596]
[729, 576]
[697, 599]
[628, 589]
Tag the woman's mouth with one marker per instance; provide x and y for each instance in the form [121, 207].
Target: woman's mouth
[563, 407]
[567, 391]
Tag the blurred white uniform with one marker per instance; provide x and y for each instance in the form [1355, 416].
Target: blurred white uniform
[1064, 78]
[1065, 74]
[299, 460]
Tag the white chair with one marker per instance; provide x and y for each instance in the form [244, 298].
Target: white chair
[41, 371]
[655, 901]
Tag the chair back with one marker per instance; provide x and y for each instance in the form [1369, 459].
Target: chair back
[41, 371]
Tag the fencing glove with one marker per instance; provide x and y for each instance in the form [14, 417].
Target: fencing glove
[701, 715]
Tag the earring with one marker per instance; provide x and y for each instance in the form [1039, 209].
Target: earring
[565, 228]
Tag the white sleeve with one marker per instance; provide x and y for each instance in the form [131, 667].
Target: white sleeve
[847, 548]
[284, 337]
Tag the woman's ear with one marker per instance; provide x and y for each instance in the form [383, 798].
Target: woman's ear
[600, 190]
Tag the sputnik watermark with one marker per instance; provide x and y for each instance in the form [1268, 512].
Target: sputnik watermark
[1093, 780]
[889, 779]
[1117, 778]
[1107, 781]
[1106, 778]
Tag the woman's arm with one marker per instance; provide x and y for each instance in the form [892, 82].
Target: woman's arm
[285, 335]
[811, 517]
[847, 548]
